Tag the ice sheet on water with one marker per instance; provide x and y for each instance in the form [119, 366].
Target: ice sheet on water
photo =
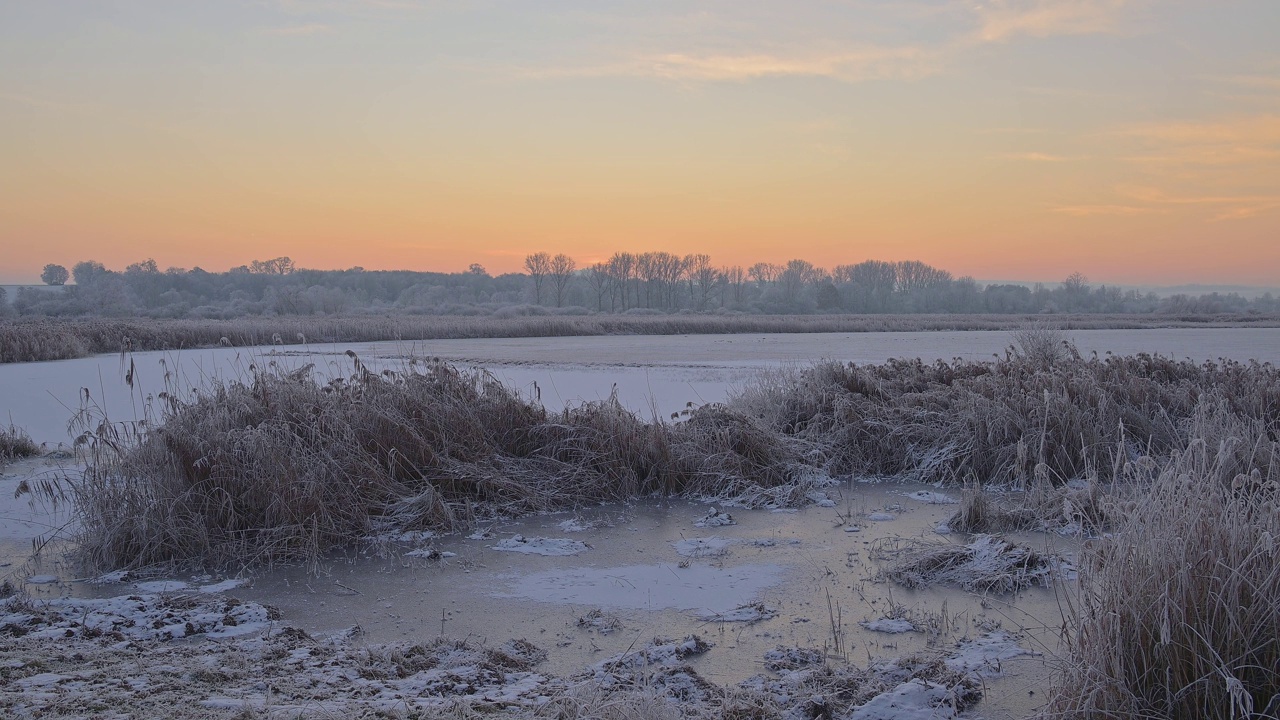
[160, 586]
[932, 498]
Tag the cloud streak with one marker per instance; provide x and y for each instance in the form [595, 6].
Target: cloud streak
[1003, 20]
[306, 30]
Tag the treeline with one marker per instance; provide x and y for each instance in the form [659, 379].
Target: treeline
[631, 283]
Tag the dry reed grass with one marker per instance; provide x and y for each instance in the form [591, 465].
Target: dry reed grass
[1178, 613]
[281, 466]
[34, 339]
[15, 443]
[1003, 422]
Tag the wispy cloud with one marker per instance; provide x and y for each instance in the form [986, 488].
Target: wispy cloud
[1002, 20]
[1091, 210]
[1230, 207]
[1035, 157]
[1233, 141]
[865, 64]
[300, 30]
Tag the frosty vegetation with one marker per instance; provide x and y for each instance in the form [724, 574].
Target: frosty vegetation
[1172, 466]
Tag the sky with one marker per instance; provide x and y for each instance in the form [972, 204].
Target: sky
[1135, 141]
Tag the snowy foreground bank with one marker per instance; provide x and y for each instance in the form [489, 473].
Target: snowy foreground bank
[192, 654]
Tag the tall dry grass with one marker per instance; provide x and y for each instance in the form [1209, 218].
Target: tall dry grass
[15, 443]
[35, 339]
[1001, 422]
[281, 466]
[1178, 614]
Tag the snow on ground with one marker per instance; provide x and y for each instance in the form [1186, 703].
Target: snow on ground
[540, 545]
[76, 658]
[985, 655]
[703, 547]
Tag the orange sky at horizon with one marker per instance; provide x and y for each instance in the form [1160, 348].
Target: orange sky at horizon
[1135, 142]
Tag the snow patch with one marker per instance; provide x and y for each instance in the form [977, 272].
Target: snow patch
[540, 546]
[892, 626]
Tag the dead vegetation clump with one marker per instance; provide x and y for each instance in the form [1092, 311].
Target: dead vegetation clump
[1178, 614]
[1034, 410]
[281, 466]
[15, 443]
[988, 564]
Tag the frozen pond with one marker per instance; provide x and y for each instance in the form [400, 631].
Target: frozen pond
[653, 375]
[797, 579]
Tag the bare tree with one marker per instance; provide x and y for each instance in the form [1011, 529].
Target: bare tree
[600, 281]
[797, 274]
[538, 265]
[764, 273]
[561, 272]
[737, 279]
[703, 279]
[275, 266]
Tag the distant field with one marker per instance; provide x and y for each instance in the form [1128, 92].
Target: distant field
[27, 340]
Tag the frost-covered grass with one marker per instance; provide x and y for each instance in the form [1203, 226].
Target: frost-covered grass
[1178, 610]
[1027, 416]
[281, 466]
[15, 443]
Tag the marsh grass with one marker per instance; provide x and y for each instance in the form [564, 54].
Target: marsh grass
[282, 466]
[1016, 422]
[15, 443]
[1178, 609]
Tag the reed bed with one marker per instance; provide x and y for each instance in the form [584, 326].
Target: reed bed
[15, 443]
[37, 339]
[1009, 421]
[1178, 610]
[282, 466]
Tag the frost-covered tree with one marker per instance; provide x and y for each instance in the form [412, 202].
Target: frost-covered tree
[54, 275]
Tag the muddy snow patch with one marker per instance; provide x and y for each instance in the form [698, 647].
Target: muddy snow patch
[134, 617]
[42, 579]
[893, 626]
[643, 587]
[881, 517]
[541, 546]
[912, 700]
[749, 613]
[985, 655]
[715, 518]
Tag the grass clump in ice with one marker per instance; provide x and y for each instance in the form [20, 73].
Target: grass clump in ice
[15, 443]
[988, 564]
[281, 466]
[1178, 614]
